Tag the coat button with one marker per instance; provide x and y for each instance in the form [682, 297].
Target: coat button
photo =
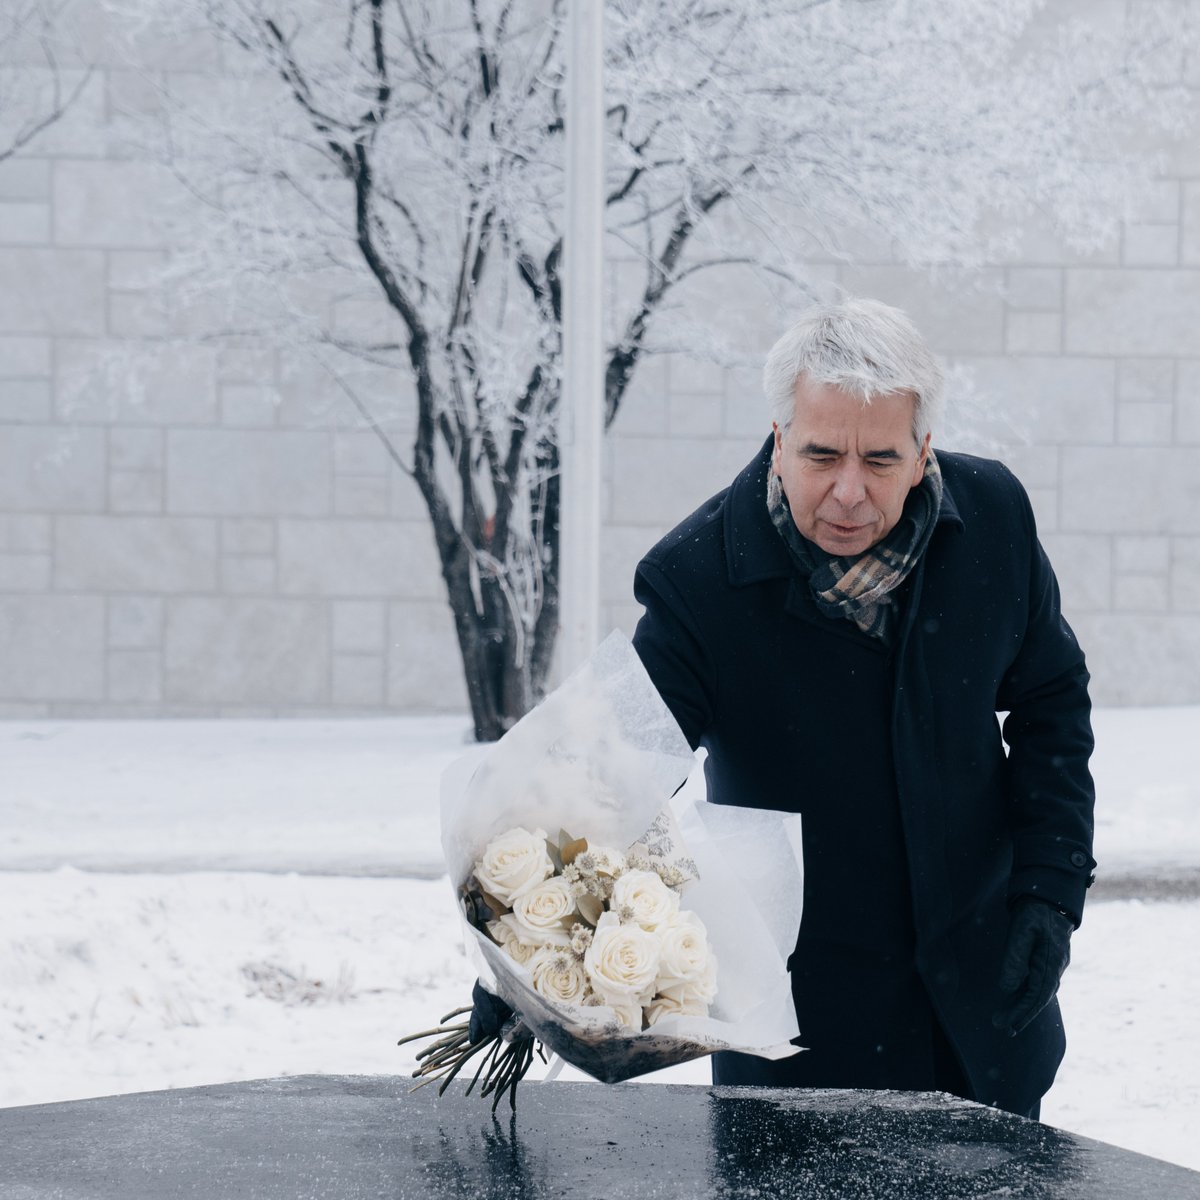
[1078, 858]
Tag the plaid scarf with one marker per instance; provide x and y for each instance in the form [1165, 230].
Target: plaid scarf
[859, 588]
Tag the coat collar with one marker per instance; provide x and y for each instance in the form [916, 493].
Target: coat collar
[754, 551]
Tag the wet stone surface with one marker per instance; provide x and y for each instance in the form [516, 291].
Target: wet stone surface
[327, 1136]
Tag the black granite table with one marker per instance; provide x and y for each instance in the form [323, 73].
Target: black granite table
[355, 1137]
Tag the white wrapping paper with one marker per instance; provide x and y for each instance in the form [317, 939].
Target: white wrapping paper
[601, 759]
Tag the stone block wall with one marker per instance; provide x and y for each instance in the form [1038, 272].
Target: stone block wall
[194, 529]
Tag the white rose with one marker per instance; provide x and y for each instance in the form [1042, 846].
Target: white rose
[548, 907]
[512, 945]
[702, 989]
[684, 955]
[628, 1013]
[513, 863]
[509, 932]
[650, 901]
[559, 976]
[621, 962]
[667, 1006]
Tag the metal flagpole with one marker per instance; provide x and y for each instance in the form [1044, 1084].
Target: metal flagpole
[581, 426]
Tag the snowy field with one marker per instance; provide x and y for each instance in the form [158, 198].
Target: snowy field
[236, 919]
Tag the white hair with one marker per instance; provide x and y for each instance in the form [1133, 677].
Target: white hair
[865, 348]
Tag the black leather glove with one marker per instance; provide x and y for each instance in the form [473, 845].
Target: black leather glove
[1037, 953]
[489, 1015]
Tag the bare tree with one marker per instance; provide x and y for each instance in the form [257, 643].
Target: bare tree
[34, 92]
[411, 151]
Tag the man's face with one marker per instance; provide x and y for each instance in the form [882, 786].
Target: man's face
[847, 466]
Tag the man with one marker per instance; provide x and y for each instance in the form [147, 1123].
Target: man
[839, 629]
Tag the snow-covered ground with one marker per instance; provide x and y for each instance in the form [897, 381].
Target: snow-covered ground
[228, 925]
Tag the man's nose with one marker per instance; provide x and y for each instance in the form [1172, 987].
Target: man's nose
[849, 488]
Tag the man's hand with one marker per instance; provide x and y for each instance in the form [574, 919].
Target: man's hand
[1038, 950]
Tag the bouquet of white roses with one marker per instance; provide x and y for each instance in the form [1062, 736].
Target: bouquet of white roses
[605, 940]
[596, 927]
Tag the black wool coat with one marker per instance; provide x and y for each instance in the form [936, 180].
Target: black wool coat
[918, 829]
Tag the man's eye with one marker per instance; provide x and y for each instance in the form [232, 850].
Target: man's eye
[881, 463]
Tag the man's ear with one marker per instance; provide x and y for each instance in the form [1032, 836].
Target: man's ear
[922, 458]
[777, 453]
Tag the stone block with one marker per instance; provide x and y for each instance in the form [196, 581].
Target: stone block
[686, 373]
[24, 223]
[360, 452]
[359, 625]
[135, 554]
[424, 668]
[1185, 575]
[21, 572]
[1144, 424]
[247, 364]
[656, 482]
[1150, 245]
[1044, 502]
[1131, 311]
[51, 648]
[1190, 242]
[355, 559]
[247, 535]
[25, 179]
[1034, 466]
[49, 469]
[247, 405]
[132, 449]
[1032, 288]
[135, 491]
[247, 575]
[83, 134]
[361, 496]
[405, 500]
[231, 472]
[139, 315]
[622, 547]
[25, 358]
[135, 622]
[1083, 565]
[1187, 404]
[61, 292]
[26, 534]
[135, 676]
[696, 414]
[1148, 380]
[1140, 593]
[643, 407]
[1140, 661]
[1157, 202]
[136, 383]
[136, 270]
[1130, 490]
[246, 651]
[358, 680]
[746, 411]
[26, 401]
[621, 616]
[1033, 333]
[1050, 399]
[113, 203]
[1143, 555]
[963, 319]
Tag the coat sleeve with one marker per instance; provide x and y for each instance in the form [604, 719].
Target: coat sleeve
[671, 648]
[1049, 734]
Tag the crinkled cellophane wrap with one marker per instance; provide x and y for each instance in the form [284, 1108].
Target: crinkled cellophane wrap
[601, 759]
